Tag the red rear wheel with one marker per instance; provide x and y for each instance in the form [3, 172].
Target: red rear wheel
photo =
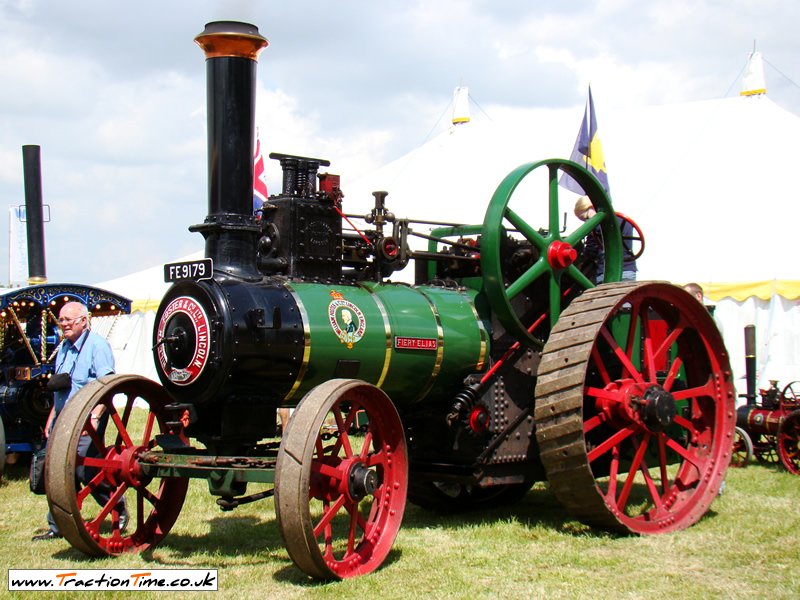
[635, 408]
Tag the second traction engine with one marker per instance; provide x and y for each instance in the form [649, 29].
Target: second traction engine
[506, 363]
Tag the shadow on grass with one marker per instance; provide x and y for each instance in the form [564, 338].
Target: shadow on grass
[538, 508]
[228, 536]
[16, 472]
[256, 540]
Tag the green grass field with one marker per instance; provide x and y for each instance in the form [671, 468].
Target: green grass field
[747, 546]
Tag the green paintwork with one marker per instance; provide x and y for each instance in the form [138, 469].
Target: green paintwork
[222, 480]
[500, 218]
[444, 319]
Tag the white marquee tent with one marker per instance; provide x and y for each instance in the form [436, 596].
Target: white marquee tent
[708, 182]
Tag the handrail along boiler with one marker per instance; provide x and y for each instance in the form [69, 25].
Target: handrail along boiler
[503, 365]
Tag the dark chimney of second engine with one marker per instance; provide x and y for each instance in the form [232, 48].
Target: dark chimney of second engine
[34, 220]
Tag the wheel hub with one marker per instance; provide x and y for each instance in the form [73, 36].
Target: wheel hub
[561, 254]
[362, 482]
[650, 406]
[658, 408]
[128, 469]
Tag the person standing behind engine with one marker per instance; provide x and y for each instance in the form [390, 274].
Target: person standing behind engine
[82, 357]
[584, 210]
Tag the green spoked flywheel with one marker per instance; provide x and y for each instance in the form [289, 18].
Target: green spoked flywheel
[531, 274]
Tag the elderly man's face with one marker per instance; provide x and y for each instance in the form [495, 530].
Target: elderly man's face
[73, 322]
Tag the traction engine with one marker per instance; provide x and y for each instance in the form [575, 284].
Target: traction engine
[768, 425]
[503, 365]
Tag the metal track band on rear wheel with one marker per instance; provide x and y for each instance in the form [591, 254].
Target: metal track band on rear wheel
[635, 408]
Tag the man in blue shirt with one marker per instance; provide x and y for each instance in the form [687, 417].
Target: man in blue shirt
[85, 356]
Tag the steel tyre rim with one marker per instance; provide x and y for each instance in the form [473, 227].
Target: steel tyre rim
[339, 507]
[153, 505]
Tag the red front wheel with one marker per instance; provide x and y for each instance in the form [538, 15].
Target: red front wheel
[100, 499]
[341, 480]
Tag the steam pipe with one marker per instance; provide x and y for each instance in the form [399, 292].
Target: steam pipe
[230, 229]
[34, 220]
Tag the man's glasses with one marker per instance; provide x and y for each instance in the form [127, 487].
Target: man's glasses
[64, 321]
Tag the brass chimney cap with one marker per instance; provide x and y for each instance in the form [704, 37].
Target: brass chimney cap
[231, 39]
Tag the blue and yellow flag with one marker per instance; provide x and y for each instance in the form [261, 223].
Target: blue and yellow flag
[588, 151]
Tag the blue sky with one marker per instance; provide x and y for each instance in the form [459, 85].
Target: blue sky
[115, 92]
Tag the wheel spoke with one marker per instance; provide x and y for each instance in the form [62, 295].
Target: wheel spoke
[649, 366]
[599, 364]
[147, 434]
[126, 414]
[637, 461]
[707, 390]
[366, 447]
[528, 232]
[351, 535]
[122, 431]
[627, 365]
[101, 462]
[327, 516]
[552, 198]
[672, 373]
[663, 462]
[595, 421]
[578, 277]
[584, 229]
[610, 443]
[326, 470]
[343, 426]
[611, 490]
[539, 268]
[683, 452]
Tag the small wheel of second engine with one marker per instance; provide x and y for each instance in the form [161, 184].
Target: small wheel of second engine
[789, 442]
[742, 448]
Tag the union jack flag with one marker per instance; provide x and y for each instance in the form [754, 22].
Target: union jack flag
[259, 181]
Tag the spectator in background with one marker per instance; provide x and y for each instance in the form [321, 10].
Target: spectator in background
[695, 290]
[82, 357]
[584, 210]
